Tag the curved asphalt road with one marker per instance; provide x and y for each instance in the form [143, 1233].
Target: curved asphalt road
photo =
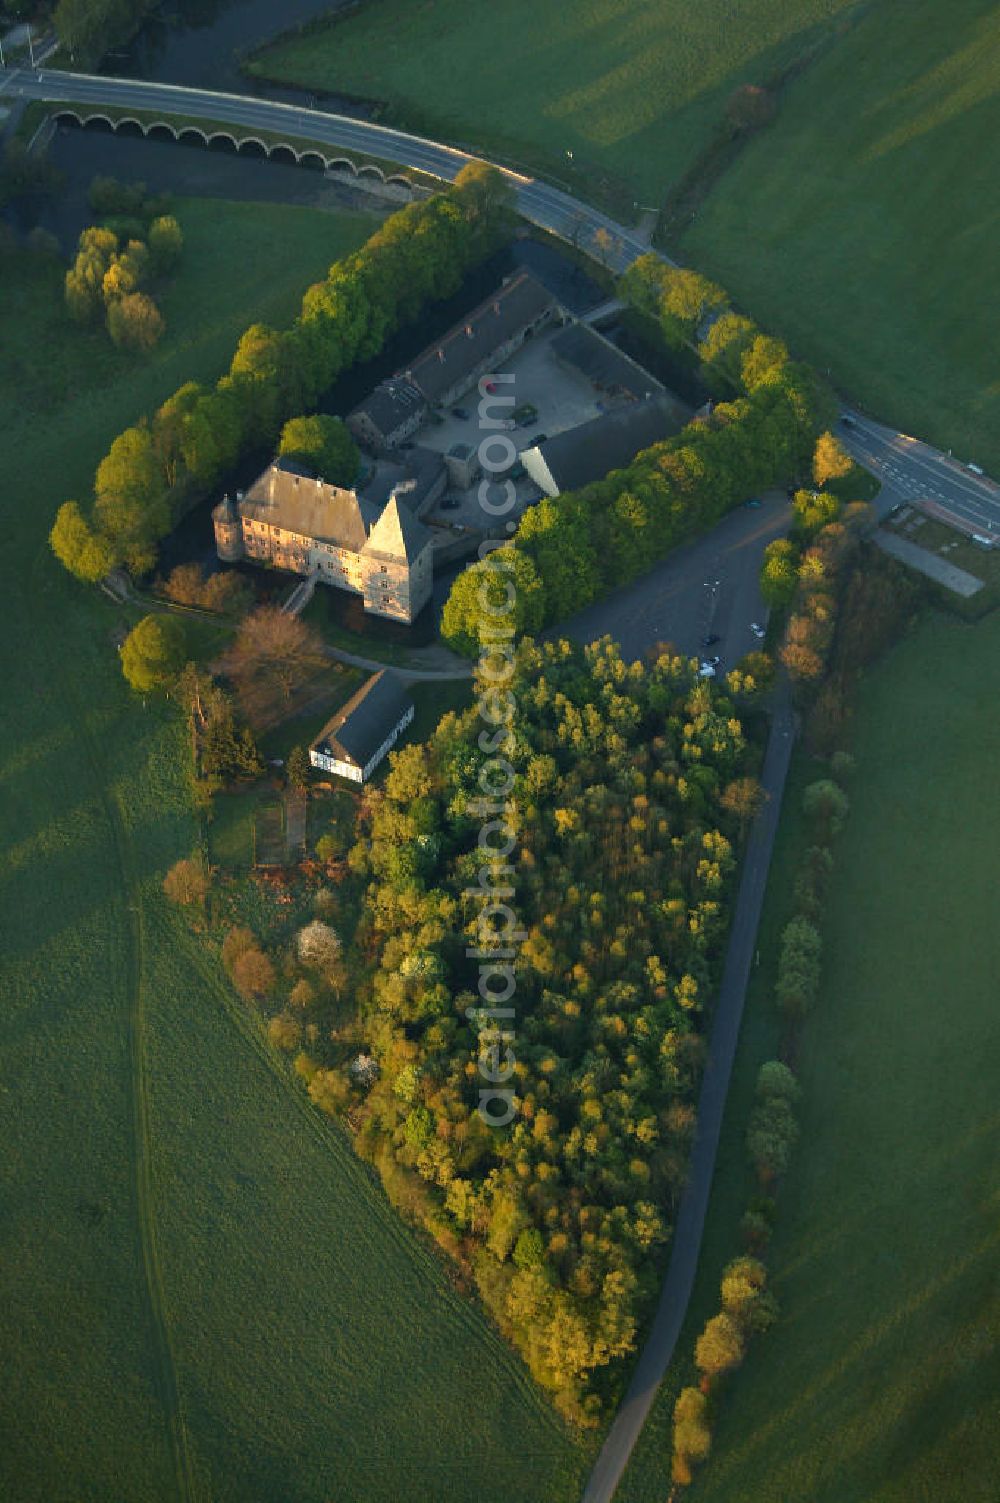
[908, 470]
[547, 207]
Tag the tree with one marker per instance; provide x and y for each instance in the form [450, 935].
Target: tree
[719, 1348]
[826, 804]
[775, 1081]
[779, 575]
[744, 1280]
[273, 655]
[501, 594]
[298, 768]
[831, 460]
[153, 653]
[302, 994]
[485, 194]
[799, 966]
[604, 243]
[284, 1032]
[186, 883]
[813, 511]
[165, 245]
[86, 554]
[324, 444]
[253, 974]
[742, 797]
[186, 584]
[135, 322]
[723, 348]
[319, 947]
[771, 1136]
[763, 360]
[692, 1436]
[235, 944]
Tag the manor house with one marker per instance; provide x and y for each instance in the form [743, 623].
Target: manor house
[289, 519]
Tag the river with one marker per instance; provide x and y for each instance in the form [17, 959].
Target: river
[200, 44]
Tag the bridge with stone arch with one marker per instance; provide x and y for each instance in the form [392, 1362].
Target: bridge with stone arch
[243, 144]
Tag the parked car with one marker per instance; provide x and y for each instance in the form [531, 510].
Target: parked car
[450, 502]
[460, 412]
[758, 631]
[539, 438]
[706, 670]
[753, 502]
[711, 641]
[846, 421]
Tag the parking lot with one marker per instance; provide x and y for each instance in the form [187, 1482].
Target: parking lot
[709, 588]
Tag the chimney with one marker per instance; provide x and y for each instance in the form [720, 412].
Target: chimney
[440, 354]
[468, 330]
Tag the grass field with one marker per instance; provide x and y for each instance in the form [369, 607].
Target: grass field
[878, 1384]
[204, 1295]
[863, 223]
[632, 88]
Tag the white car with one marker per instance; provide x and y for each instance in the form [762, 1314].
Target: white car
[757, 630]
[707, 670]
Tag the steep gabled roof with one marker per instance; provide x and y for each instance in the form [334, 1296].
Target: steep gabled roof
[369, 717]
[397, 534]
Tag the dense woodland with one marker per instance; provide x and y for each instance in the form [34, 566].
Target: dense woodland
[575, 548]
[631, 791]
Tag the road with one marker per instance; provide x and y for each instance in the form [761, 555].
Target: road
[911, 471]
[547, 207]
[676, 1292]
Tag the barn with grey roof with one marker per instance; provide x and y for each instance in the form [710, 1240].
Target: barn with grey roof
[364, 730]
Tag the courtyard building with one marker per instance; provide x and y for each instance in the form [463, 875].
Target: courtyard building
[449, 366]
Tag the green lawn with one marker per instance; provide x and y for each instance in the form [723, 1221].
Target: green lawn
[863, 223]
[878, 1384]
[204, 1295]
[633, 88]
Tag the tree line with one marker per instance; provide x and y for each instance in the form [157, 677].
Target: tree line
[577, 547]
[747, 1308]
[157, 469]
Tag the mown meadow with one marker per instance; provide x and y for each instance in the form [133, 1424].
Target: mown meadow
[862, 224]
[875, 1384]
[600, 90]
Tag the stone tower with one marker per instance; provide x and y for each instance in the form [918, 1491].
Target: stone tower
[228, 531]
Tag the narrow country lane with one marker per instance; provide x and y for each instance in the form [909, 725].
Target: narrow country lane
[676, 1292]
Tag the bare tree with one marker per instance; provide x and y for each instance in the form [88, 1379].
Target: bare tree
[272, 656]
